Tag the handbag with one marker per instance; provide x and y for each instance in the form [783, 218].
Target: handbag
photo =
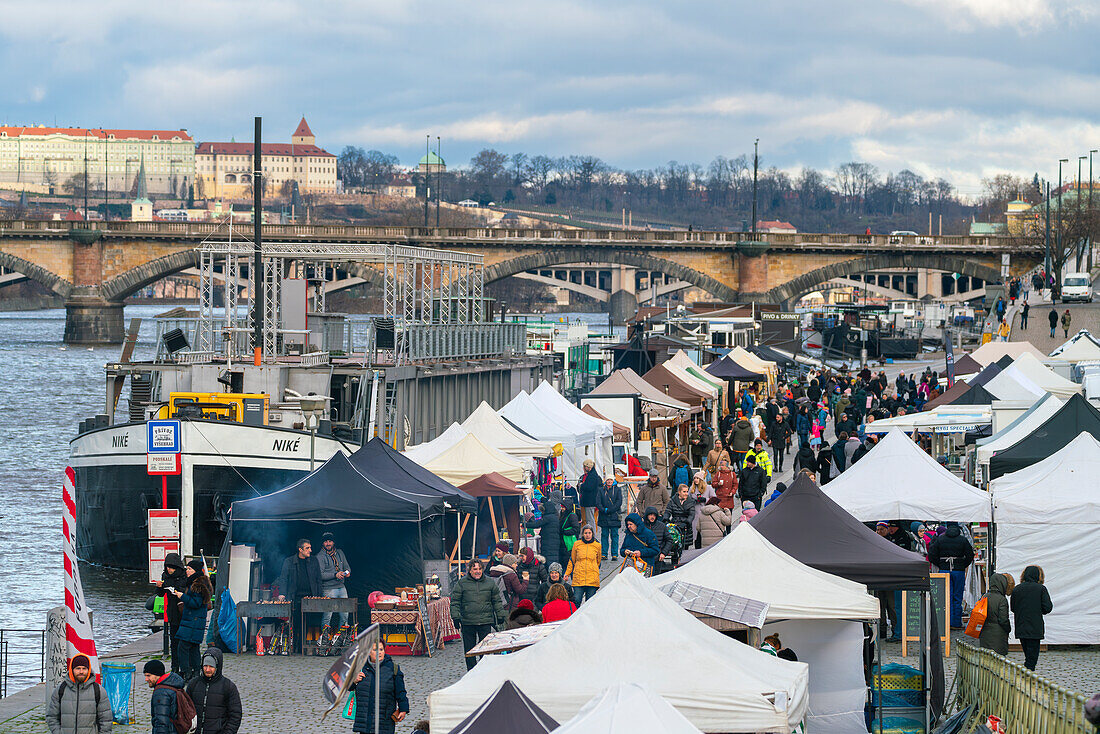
[568, 538]
[977, 617]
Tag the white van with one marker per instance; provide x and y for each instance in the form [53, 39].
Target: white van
[1077, 287]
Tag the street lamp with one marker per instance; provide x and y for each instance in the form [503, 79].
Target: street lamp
[314, 407]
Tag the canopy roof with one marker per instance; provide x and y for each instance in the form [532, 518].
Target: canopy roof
[684, 362]
[386, 467]
[949, 396]
[1075, 416]
[897, 479]
[627, 708]
[470, 458]
[666, 379]
[967, 366]
[750, 361]
[988, 373]
[1046, 379]
[552, 401]
[422, 453]
[722, 685]
[620, 432]
[507, 710]
[499, 433]
[1082, 346]
[994, 351]
[627, 381]
[707, 387]
[939, 418]
[492, 485]
[746, 564]
[1060, 489]
[728, 369]
[1022, 427]
[1012, 385]
[533, 418]
[804, 523]
[336, 492]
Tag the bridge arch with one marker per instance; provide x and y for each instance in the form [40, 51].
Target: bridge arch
[803, 284]
[37, 273]
[640, 260]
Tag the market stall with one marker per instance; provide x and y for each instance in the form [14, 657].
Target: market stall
[1077, 415]
[996, 351]
[578, 439]
[1021, 427]
[627, 708]
[620, 433]
[386, 467]
[499, 502]
[816, 614]
[1048, 515]
[469, 458]
[555, 405]
[719, 684]
[681, 360]
[494, 431]
[1042, 377]
[1081, 347]
[727, 369]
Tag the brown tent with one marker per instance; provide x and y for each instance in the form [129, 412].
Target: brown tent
[948, 396]
[619, 432]
[667, 382]
[499, 499]
[967, 365]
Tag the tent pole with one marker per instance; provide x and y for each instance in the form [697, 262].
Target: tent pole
[420, 535]
[878, 671]
[493, 518]
[473, 542]
[458, 542]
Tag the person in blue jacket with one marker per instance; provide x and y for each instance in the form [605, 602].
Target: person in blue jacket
[639, 542]
[393, 703]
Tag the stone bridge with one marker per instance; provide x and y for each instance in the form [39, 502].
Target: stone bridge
[95, 266]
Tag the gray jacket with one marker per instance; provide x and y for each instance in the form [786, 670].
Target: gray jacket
[75, 711]
[330, 569]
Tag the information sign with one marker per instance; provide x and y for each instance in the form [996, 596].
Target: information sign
[164, 524]
[162, 437]
[163, 464]
[912, 618]
[158, 549]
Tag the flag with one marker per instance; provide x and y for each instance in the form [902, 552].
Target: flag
[78, 627]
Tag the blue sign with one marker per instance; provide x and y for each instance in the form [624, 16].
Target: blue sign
[163, 437]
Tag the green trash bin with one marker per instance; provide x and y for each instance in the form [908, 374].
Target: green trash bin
[118, 681]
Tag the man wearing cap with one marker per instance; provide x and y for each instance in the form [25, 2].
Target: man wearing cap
[217, 701]
[652, 494]
[163, 705]
[334, 568]
[172, 579]
[79, 705]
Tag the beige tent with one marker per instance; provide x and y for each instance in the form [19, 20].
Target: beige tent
[751, 362]
[993, 351]
[469, 458]
[654, 401]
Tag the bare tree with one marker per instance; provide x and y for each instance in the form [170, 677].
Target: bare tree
[538, 171]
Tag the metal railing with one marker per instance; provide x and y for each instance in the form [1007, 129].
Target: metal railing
[25, 651]
[1027, 703]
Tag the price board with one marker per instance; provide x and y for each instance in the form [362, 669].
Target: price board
[912, 617]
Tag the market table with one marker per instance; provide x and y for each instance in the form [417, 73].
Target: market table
[409, 623]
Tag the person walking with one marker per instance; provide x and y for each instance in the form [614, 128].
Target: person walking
[779, 436]
[1030, 602]
[664, 540]
[714, 522]
[639, 542]
[80, 705]
[393, 701]
[334, 569]
[1066, 320]
[1002, 331]
[741, 441]
[952, 553]
[195, 603]
[584, 565]
[1052, 317]
[652, 494]
[557, 607]
[761, 455]
[752, 482]
[994, 634]
[680, 513]
[168, 694]
[803, 424]
[217, 701]
[476, 606]
[299, 577]
[724, 483]
[715, 457]
[1023, 315]
[174, 578]
[609, 502]
[587, 489]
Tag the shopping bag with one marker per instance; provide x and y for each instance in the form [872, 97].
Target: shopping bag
[977, 617]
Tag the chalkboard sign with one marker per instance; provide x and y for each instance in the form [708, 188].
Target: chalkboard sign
[429, 638]
[912, 618]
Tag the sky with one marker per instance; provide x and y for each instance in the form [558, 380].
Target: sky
[961, 89]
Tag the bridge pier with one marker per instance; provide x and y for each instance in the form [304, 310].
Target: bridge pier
[91, 319]
[622, 305]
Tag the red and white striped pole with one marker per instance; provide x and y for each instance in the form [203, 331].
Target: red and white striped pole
[78, 626]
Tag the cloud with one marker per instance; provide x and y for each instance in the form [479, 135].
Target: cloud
[1024, 15]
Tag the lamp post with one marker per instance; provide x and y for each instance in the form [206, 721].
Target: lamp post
[1058, 232]
[1088, 246]
[313, 407]
[1080, 245]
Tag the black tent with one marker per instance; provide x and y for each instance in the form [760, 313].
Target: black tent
[976, 395]
[1073, 418]
[804, 523]
[985, 375]
[727, 369]
[948, 396]
[386, 533]
[507, 710]
[1005, 361]
[389, 468]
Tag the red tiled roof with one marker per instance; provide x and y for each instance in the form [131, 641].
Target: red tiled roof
[80, 132]
[775, 224]
[267, 148]
[303, 129]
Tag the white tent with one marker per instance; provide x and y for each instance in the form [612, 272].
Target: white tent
[750, 361]
[897, 479]
[631, 632]
[1081, 347]
[628, 708]
[1010, 384]
[1042, 376]
[993, 351]
[1048, 515]
[552, 402]
[469, 459]
[1018, 429]
[425, 452]
[500, 434]
[817, 608]
[943, 419]
[698, 383]
[578, 440]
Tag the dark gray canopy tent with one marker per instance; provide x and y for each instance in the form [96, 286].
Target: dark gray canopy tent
[1073, 418]
[377, 461]
[727, 369]
[508, 711]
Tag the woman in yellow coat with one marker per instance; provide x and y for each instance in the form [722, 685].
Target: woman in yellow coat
[584, 565]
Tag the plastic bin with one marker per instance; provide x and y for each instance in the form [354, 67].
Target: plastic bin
[118, 681]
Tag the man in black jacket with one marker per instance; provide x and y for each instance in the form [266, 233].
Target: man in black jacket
[952, 553]
[752, 482]
[162, 705]
[217, 702]
[779, 434]
[173, 579]
[664, 540]
[300, 577]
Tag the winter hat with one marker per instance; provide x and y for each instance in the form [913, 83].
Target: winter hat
[700, 475]
[882, 524]
[80, 661]
[196, 565]
[509, 560]
[154, 667]
[916, 527]
[502, 547]
[525, 604]
[528, 555]
[748, 505]
[173, 560]
[328, 536]
[210, 660]
[555, 568]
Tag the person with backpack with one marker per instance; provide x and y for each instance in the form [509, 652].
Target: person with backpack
[570, 526]
[173, 711]
[512, 587]
[393, 701]
[217, 701]
[1030, 602]
[79, 705]
[681, 472]
[549, 527]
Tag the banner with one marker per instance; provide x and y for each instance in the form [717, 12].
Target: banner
[343, 672]
[78, 628]
[949, 357]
